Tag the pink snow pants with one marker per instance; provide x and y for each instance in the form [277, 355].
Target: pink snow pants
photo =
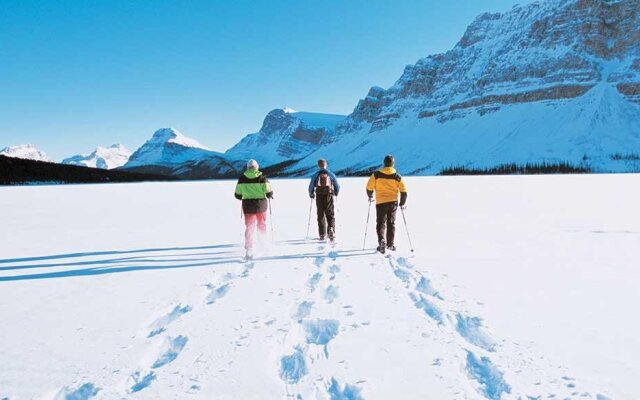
[250, 221]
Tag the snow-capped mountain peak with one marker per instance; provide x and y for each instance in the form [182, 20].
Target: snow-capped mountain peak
[168, 147]
[286, 135]
[25, 151]
[547, 82]
[172, 135]
[110, 157]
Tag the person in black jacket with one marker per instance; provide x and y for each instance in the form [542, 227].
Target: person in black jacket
[323, 186]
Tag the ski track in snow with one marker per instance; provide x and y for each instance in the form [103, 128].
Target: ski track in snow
[317, 318]
[172, 347]
[306, 344]
[487, 375]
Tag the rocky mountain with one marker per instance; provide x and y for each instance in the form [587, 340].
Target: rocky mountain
[168, 147]
[550, 82]
[286, 135]
[25, 151]
[102, 157]
[170, 152]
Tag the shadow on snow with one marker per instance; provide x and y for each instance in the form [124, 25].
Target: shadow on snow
[114, 252]
[118, 265]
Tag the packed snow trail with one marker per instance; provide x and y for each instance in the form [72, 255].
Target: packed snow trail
[316, 318]
[303, 319]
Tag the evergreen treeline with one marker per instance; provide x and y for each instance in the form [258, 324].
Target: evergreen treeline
[277, 170]
[16, 171]
[627, 157]
[516, 169]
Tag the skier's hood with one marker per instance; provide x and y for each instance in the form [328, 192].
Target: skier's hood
[252, 173]
[388, 170]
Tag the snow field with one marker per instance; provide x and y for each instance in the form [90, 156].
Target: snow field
[517, 288]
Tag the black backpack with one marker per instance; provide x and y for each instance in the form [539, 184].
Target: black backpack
[324, 185]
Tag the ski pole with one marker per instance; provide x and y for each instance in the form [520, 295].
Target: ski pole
[366, 227]
[336, 216]
[406, 228]
[271, 219]
[309, 223]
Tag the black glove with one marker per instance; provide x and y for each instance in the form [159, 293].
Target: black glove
[270, 195]
[312, 195]
[370, 199]
[404, 206]
[336, 194]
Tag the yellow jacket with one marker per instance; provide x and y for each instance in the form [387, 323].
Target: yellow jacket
[387, 183]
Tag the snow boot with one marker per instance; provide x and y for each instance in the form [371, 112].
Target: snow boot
[381, 247]
[391, 247]
[248, 255]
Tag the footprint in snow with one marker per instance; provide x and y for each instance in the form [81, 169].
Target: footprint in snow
[313, 282]
[141, 382]
[82, 392]
[429, 308]
[319, 261]
[470, 328]
[217, 292]
[293, 367]
[302, 311]
[331, 293]
[424, 286]
[248, 267]
[348, 392]
[404, 262]
[160, 325]
[403, 275]
[172, 348]
[321, 332]
[489, 377]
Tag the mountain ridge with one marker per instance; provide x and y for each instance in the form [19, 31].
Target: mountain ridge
[550, 82]
[110, 157]
[25, 152]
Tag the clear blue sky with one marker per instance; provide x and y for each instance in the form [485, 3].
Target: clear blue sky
[77, 74]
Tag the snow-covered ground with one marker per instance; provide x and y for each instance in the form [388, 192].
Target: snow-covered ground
[519, 286]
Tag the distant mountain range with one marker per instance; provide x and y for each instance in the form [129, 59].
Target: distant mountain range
[103, 157]
[554, 82]
[25, 151]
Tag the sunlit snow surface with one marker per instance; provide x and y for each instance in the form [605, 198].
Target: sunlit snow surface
[520, 287]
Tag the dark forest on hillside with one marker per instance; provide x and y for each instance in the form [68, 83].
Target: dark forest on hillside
[16, 171]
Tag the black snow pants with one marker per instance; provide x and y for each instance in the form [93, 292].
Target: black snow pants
[386, 221]
[326, 215]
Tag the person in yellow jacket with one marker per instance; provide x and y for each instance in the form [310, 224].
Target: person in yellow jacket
[386, 183]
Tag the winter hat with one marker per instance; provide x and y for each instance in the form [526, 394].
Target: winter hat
[389, 161]
[252, 164]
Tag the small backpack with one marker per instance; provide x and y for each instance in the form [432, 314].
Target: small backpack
[323, 183]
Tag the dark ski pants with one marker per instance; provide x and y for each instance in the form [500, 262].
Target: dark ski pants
[386, 221]
[326, 214]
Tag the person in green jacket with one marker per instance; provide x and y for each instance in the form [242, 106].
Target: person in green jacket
[254, 190]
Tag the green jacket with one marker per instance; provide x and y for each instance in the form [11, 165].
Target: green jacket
[253, 189]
